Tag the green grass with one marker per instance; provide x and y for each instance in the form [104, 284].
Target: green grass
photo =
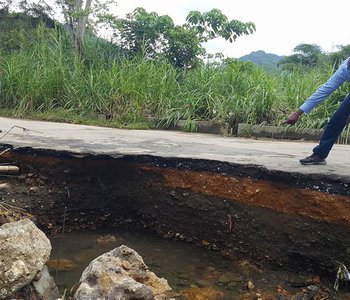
[60, 115]
[45, 80]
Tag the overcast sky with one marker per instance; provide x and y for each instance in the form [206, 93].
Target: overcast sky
[280, 24]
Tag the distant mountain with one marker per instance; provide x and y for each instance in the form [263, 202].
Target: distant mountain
[262, 58]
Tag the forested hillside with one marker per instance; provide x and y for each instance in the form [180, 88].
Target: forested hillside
[262, 58]
[17, 28]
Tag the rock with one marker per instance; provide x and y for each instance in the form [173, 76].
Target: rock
[121, 274]
[229, 277]
[232, 285]
[314, 288]
[4, 186]
[211, 269]
[24, 250]
[202, 283]
[45, 287]
[21, 177]
[183, 276]
[207, 293]
[224, 278]
[249, 269]
[34, 189]
[129, 289]
[126, 265]
[298, 296]
[9, 213]
[107, 239]
[250, 285]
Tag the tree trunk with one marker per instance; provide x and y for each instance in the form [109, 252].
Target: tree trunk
[80, 29]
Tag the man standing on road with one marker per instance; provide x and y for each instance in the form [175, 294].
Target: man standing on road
[337, 121]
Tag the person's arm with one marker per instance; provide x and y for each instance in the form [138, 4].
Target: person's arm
[335, 81]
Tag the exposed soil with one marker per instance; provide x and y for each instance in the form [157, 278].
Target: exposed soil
[274, 220]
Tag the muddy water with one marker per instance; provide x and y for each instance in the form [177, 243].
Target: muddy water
[182, 264]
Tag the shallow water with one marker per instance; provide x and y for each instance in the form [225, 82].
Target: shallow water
[182, 264]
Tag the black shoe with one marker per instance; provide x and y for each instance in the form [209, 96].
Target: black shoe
[313, 159]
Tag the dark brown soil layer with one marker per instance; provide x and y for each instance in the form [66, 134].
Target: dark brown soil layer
[284, 221]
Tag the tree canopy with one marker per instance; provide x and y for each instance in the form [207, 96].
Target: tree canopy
[76, 15]
[154, 35]
[140, 32]
[307, 55]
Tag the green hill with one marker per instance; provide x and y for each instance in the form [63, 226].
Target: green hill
[262, 58]
[16, 28]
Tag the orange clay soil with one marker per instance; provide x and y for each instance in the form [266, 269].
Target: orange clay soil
[317, 205]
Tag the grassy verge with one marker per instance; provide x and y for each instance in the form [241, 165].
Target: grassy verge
[44, 80]
[60, 115]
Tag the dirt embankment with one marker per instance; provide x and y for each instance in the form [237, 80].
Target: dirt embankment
[281, 220]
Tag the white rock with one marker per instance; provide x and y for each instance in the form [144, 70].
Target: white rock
[121, 274]
[24, 250]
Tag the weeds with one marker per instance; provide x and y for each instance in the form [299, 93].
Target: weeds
[44, 79]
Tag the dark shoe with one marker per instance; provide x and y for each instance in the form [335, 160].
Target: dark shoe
[313, 159]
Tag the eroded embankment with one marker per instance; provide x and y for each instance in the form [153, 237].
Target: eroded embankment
[283, 220]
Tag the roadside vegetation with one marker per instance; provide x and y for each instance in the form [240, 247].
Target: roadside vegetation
[154, 79]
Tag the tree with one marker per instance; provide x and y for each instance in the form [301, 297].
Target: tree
[308, 55]
[78, 15]
[18, 28]
[337, 57]
[214, 23]
[183, 48]
[154, 35]
[143, 32]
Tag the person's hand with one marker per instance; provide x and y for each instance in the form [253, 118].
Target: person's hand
[293, 117]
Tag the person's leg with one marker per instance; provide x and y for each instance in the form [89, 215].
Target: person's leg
[333, 128]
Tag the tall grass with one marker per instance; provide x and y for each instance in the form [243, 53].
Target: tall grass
[46, 75]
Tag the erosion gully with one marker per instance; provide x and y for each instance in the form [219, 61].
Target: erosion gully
[276, 221]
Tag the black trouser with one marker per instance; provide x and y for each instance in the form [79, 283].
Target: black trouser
[333, 129]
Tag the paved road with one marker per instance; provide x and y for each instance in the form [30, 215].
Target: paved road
[274, 155]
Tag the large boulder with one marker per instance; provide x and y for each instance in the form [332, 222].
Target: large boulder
[121, 274]
[24, 251]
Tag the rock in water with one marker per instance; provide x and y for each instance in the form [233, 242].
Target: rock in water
[121, 274]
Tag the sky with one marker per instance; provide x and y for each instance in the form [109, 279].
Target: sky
[281, 25]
